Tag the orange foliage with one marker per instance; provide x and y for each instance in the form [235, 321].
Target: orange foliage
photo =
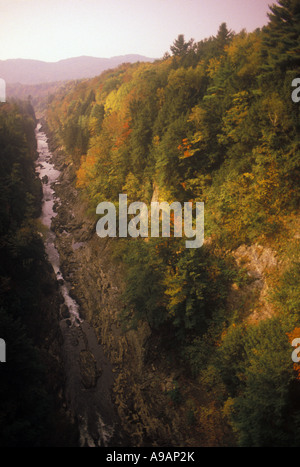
[184, 148]
[81, 177]
[124, 135]
[84, 171]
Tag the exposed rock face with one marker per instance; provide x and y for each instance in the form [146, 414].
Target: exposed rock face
[260, 263]
[88, 369]
[259, 259]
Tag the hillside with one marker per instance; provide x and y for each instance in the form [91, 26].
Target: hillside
[25, 71]
[202, 337]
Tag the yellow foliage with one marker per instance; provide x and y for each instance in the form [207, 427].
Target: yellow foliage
[244, 53]
[213, 67]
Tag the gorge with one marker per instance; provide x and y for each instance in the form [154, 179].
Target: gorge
[88, 372]
[138, 340]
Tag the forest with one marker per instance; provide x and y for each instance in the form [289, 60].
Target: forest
[213, 122]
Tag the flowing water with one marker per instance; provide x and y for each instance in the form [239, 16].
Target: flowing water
[90, 404]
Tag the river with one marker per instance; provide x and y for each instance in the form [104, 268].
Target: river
[88, 373]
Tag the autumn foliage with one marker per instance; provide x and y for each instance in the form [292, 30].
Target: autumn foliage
[214, 122]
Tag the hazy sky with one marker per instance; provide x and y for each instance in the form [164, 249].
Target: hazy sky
[51, 30]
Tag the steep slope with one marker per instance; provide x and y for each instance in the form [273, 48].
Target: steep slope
[208, 328]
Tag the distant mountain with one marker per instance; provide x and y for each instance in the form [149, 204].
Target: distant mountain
[26, 71]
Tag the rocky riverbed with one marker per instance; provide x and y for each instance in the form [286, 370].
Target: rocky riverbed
[88, 373]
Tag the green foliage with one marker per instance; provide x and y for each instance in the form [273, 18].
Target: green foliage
[281, 36]
[178, 292]
[261, 411]
[144, 284]
[287, 293]
[198, 289]
[180, 48]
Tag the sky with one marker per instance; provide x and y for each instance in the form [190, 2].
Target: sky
[53, 30]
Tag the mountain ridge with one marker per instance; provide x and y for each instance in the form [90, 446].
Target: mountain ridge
[30, 71]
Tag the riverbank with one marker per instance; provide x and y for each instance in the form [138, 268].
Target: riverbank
[88, 373]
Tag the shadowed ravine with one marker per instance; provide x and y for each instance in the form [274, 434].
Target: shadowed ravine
[89, 376]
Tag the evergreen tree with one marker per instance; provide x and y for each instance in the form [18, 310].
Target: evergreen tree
[180, 47]
[223, 37]
[282, 35]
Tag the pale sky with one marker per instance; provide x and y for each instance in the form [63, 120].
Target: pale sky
[52, 30]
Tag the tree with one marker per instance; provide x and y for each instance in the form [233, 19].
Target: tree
[144, 293]
[282, 35]
[223, 37]
[180, 48]
[262, 412]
